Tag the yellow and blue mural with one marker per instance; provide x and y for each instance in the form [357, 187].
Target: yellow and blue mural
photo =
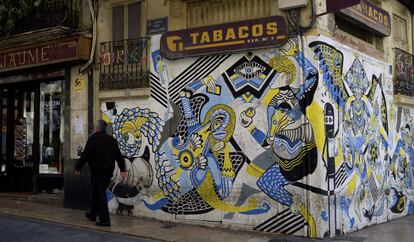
[288, 140]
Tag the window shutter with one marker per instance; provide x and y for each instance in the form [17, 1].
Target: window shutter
[118, 22]
[134, 20]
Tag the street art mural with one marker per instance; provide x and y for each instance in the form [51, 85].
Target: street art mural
[287, 140]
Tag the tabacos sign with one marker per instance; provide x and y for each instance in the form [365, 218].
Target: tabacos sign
[224, 38]
[370, 16]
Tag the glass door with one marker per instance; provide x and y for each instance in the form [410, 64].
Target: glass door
[17, 144]
[3, 130]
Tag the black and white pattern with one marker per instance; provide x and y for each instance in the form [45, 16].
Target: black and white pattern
[340, 176]
[202, 67]
[284, 222]
[157, 91]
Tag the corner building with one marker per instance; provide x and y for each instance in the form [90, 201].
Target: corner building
[258, 114]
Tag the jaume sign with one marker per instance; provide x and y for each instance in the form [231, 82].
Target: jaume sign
[61, 50]
[230, 37]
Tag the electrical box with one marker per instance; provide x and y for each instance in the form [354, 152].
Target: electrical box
[290, 4]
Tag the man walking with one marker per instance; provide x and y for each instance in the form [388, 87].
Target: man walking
[100, 152]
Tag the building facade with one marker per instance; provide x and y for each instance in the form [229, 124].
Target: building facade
[42, 47]
[253, 114]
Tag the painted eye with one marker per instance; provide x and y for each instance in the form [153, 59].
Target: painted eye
[186, 158]
[216, 123]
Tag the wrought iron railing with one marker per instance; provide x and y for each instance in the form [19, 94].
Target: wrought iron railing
[404, 73]
[124, 64]
[49, 13]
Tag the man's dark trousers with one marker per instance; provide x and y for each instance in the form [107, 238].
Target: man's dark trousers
[100, 183]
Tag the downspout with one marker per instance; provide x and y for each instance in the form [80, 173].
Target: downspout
[92, 54]
[411, 8]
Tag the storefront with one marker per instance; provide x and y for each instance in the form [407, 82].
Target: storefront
[34, 96]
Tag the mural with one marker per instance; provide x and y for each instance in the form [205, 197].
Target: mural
[288, 140]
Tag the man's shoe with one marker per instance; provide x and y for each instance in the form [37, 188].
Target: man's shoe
[90, 217]
[103, 224]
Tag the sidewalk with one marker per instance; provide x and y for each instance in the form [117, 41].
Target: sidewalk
[145, 228]
[134, 226]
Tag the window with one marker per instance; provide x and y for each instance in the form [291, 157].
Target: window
[51, 127]
[356, 30]
[399, 32]
[126, 21]
[209, 12]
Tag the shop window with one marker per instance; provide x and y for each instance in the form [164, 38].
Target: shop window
[399, 32]
[51, 132]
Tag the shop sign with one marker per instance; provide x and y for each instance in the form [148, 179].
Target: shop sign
[57, 51]
[225, 38]
[157, 26]
[370, 16]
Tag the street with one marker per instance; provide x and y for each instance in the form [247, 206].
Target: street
[16, 229]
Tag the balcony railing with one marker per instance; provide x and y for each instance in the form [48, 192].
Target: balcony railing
[404, 73]
[124, 64]
[49, 13]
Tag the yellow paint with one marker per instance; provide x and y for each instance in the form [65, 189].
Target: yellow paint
[238, 42]
[247, 98]
[316, 118]
[352, 184]
[254, 170]
[269, 96]
[159, 195]
[106, 118]
[227, 169]
[309, 219]
[209, 195]
[289, 165]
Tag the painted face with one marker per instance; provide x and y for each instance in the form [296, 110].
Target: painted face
[286, 127]
[290, 134]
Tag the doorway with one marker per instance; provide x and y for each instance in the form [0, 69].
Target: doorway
[18, 118]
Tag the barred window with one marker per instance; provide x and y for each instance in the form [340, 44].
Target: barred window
[404, 73]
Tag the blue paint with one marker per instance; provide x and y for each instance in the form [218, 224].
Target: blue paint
[157, 205]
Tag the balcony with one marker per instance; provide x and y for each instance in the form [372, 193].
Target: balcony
[404, 73]
[36, 15]
[124, 64]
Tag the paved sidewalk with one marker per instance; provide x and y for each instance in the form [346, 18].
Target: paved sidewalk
[400, 230]
[136, 226]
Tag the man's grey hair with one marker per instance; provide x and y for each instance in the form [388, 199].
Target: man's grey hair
[101, 125]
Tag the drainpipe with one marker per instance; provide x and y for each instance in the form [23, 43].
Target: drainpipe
[92, 54]
[412, 30]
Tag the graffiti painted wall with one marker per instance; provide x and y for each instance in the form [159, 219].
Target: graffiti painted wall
[287, 140]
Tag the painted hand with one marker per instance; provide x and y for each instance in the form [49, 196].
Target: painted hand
[77, 173]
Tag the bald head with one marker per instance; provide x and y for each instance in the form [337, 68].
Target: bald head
[100, 125]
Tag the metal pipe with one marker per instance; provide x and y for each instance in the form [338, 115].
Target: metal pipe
[92, 54]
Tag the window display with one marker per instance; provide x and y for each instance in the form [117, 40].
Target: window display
[51, 133]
